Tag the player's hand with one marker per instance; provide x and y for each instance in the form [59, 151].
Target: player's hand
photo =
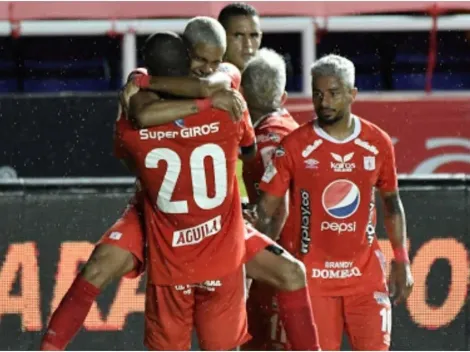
[126, 94]
[230, 100]
[401, 282]
[250, 214]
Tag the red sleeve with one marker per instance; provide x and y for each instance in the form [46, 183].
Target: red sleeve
[248, 137]
[388, 180]
[137, 71]
[233, 72]
[278, 173]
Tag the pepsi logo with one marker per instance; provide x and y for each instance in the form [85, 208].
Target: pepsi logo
[341, 199]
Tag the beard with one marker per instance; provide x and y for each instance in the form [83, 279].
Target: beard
[328, 120]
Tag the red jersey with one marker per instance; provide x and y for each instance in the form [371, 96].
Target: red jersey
[331, 223]
[269, 130]
[193, 217]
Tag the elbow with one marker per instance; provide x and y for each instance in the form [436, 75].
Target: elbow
[142, 120]
[205, 90]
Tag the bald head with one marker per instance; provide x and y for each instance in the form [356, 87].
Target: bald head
[166, 54]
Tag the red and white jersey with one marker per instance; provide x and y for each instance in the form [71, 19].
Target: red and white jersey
[193, 217]
[331, 223]
[269, 130]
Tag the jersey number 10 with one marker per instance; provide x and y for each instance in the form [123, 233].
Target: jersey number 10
[198, 177]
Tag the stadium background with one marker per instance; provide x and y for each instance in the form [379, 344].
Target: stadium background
[60, 67]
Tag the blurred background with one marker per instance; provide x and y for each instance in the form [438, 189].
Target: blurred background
[61, 65]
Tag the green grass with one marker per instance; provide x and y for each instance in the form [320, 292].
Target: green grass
[240, 178]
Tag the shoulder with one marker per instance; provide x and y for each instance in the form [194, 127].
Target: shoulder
[233, 72]
[374, 132]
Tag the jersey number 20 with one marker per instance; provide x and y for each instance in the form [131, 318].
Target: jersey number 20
[198, 177]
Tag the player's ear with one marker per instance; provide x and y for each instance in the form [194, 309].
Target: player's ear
[284, 98]
[353, 94]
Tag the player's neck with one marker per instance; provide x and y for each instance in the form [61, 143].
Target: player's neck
[257, 114]
[342, 129]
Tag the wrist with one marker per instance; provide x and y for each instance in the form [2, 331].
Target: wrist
[203, 104]
[400, 255]
[142, 81]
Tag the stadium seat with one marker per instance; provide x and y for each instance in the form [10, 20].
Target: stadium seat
[55, 76]
[8, 82]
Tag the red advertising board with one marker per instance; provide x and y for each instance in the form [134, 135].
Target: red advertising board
[431, 134]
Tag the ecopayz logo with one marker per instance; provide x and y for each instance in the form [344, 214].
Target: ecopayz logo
[342, 163]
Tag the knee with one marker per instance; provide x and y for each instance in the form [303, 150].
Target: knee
[104, 265]
[293, 275]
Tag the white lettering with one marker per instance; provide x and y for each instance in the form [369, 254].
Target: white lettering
[336, 274]
[197, 234]
[185, 132]
[338, 227]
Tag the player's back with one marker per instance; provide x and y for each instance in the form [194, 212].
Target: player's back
[192, 211]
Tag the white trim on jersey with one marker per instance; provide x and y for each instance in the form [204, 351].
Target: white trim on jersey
[321, 133]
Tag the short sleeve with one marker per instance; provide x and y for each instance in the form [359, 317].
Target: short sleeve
[388, 179]
[278, 174]
[247, 131]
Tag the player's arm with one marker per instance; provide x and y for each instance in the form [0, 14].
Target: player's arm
[274, 186]
[279, 218]
[227, 76]
[394, 219]
[248, 153]
[401, 279]
[248, 147]
[146, 109]
[189, 87]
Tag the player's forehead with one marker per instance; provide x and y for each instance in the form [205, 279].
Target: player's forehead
[326, 83]
[243, 24]
[208, 52]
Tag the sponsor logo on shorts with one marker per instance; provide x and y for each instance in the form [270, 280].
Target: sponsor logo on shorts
[208, 285]
[184, 132]
[196, 234]
[305, 213]
[336, 270]
[382, 298]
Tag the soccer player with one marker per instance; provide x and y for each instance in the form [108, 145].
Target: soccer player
[331, 167]
[120, 251]
[269, 264]
[194, 224]
[242, 25]
[263, 83]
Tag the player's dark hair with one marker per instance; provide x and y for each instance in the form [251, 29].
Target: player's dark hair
[235, 9]
[166, 54]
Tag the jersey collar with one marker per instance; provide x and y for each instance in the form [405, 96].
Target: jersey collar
[357, 130]
[278, 112]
